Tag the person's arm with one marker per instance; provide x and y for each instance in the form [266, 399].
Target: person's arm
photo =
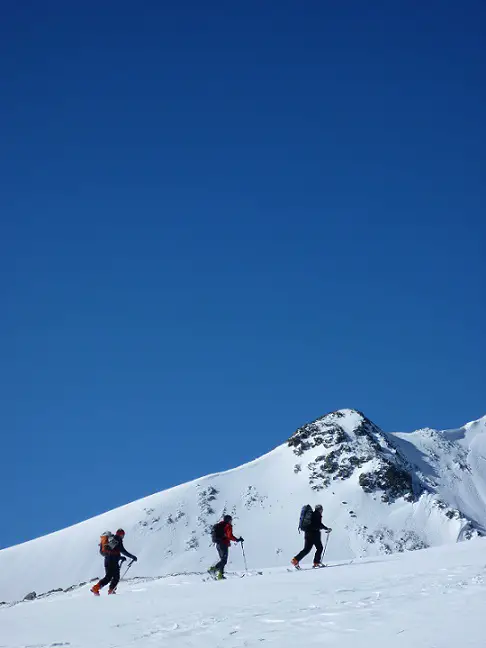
[126, 553]
[229, 533]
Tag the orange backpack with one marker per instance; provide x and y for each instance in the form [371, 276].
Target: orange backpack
[106, 543]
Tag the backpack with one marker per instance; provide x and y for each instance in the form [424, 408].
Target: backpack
[217, 532]
[108, 542]
[305, 519]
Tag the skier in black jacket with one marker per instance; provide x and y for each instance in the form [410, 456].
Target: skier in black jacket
[112, 564]
[313, 539]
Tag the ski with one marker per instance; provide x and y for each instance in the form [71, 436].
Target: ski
[230, 576]
[299, 568]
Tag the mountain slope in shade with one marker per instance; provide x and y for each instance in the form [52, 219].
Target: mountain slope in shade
[381, 493]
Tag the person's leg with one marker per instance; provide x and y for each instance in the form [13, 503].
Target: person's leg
[115, 575]
[223, 558]
[220, 547]
[319, 548]
[108, 572]
[107, 577]
[309, 543]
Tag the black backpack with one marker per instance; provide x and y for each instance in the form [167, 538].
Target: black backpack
[305, 519]
[217, 532]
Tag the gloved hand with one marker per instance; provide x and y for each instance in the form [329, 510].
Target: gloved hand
[134, 558]
[240, 540]
[328, 530]
[122, 559]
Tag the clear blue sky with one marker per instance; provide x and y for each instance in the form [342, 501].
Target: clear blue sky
[220, 220]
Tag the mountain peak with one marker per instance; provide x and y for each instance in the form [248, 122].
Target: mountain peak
[343, 443]
[351, 416]
[341, 426]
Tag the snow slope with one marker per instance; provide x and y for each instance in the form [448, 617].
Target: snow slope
[426, 599]
[381, 493]
[453, 464]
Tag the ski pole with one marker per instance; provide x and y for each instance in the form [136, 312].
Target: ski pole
[128, 567]
[244, 557]
[325, 546]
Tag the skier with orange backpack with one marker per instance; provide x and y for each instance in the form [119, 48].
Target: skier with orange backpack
[111, 547]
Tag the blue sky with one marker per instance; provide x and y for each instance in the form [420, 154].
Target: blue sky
[222, 220]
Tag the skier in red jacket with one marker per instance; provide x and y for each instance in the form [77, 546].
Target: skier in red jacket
[222, 537]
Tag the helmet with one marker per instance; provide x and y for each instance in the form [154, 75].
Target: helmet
[120, 533]
[319, 507]
[227, 518]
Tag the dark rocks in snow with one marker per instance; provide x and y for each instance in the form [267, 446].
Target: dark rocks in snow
[31, 596]
[172, 519]
[251, 497]
[345, 452]
[469, 533]
[440, 504]
[312, 435]
[339, 463]
[54, 591]
[151, 524]
[392, 542]
[192, 543]
[393, 481]
[468, 530]
[205, 497]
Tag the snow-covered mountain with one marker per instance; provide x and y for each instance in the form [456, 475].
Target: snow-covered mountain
[381, 493]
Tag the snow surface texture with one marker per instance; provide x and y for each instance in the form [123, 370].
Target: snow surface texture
[426, 599]
[382, 493]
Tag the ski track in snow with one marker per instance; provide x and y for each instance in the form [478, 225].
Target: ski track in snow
[426, 599]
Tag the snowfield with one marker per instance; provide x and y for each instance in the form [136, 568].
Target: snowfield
[433, 598]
